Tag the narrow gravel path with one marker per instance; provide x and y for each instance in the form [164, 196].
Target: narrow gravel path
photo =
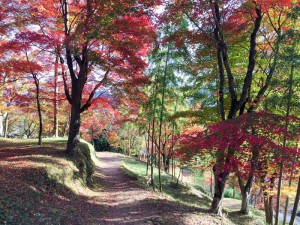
[127, 203]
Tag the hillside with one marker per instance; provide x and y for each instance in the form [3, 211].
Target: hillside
[40, 185]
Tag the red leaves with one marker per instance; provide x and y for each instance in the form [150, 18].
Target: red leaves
[267, 4]
[247, 134]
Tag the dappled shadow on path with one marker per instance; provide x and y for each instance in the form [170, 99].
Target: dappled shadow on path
[129, 204]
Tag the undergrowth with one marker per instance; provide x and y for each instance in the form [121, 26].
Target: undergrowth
[188, 194]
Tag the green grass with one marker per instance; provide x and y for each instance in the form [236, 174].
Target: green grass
[178, 191]
[229, 193]
[11, 142]
[188, 195]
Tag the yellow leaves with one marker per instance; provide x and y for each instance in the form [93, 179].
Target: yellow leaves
[289, 191]
[41, 8]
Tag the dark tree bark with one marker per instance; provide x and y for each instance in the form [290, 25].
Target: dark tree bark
[37, 84]
[246, 188]
[153, 132]
[74, 129]
[296, 204]
[237, 104]
[55, 101]
[147, 139]
[268, 200]
[290, 184]
[37, 97]
[78, 80]
[220, 182]
[220, 176]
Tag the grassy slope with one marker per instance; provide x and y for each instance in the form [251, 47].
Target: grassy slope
[41, 185]
[189, 195]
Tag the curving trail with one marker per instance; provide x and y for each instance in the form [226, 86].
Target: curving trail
[127, 203]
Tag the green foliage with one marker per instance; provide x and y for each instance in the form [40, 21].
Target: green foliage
[101, 144]
[229, 193]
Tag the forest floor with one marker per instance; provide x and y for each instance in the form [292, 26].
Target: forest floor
[37, 186]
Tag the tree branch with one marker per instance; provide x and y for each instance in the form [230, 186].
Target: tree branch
[90, 99]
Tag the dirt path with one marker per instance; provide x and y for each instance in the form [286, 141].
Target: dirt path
[127, 203]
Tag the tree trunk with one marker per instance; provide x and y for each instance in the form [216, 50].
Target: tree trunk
[211, 183]
[290, 184]
[55, 102]
[167, 164]
[1, 126]
[161, 117]
[153, 132]
[268, 203]
[148, 147]
[78, 80]
[74, 129]
[6, 125]
[220, 182]
[246, 189]
[245, 201]
[164, 161]
[267, 210]
[233, 192]
[39, 109]
[296, 204]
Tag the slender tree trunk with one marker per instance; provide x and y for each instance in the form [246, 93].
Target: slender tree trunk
[172, 146]
[38, 103]
[167, 168]
[268, 203]
[288, 110]
[1, 126]
[161, 118]
[164, 162]
[148, 147]
[55, 102]
[279, 193]
[290, 184]
[233, 192]
[296, 204]
[211, 183]
[6, 124]
[153, 132]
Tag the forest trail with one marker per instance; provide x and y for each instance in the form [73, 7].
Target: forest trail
[127, 203]
[37, 186]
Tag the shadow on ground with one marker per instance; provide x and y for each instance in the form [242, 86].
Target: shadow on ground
[30, 196]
